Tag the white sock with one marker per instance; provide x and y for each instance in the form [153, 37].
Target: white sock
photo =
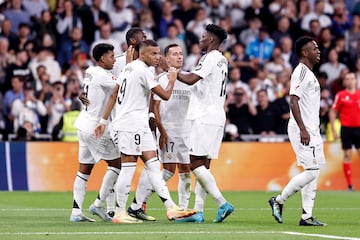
[111, 201]
[79, 191]
[166, 174]
[295, 184]
[200, 197]
[143, 191]
[107, 185]
[158, 183]
[208, 182]
[308, 194]
[123, 185]
[184, 190]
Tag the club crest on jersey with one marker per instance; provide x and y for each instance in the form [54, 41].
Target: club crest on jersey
[137, 148]
[169, 156]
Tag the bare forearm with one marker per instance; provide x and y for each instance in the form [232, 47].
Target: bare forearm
[110, 104]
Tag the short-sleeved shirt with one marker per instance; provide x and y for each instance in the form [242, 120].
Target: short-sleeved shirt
[173, 111]
[305, 85]
[98, 85]
[208, 94]
[348, 106]
[136, 81]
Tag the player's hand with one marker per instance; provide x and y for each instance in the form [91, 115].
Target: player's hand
[130, 54]
[304, 137]
[99, 130]
[84, 100]
[163, 140]
[172, 74]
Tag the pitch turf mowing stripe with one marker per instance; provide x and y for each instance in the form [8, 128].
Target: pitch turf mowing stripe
[183, 233]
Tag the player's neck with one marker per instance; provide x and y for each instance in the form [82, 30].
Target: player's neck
[307, 63]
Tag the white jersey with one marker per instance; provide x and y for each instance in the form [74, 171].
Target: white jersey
[208, 94]
[120, 62]
[305, 85]
[136, 81]
[173, 111]
[98, 85]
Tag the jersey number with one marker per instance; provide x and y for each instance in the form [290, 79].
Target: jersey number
[86, 91]
[122, 92]
[223, 83]
[170, 147]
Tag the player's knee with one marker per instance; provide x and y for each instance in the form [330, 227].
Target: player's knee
[311, 174]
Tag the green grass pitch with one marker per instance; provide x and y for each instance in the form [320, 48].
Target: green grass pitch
[45, 215]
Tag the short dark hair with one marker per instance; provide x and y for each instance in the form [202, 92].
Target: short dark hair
[100, 49]
[300, 43]
[148, 43]
[218, 31]
[131, 33]
[167, 48]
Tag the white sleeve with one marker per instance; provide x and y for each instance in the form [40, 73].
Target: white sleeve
[204, 66]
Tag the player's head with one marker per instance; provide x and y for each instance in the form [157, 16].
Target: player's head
[306, 47]
[134, 36]
[350, 81]
[174, 55]
[149, 52]
[103, 54]
[213, 35]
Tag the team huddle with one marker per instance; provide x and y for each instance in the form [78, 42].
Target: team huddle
[188, 111]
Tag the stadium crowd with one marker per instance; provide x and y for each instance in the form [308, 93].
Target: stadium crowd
[45, 47]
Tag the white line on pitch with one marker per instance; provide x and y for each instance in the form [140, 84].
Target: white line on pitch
[320, 235]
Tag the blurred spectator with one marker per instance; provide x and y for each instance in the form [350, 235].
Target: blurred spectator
[325, 106]
[147, 23]
[231, 133]
[282, 30]
[236, 12]
[106, 37]
[45, 30]
[352, 35]
[333, 67]
[283, 104]
[267, 117]
[341, 19]
[261, 48]
[215, 10]
[28, 110]
[338, 84]
[303, 8]
[67, 47]
[45, 58]
[18, 68]
[286, 47]
[318, 13]
[277, 64]
[357, 72]
[325, 44]
[22, 37]
[121, 18]
[240, 112]
[6, 30]
[57, 105]
[314, 29]
[2, 116]
[25, 132]
[67, 20]
[16, 92]
[78, 66]
[172, 37]
[83, 11]
[254, 86]
[165, 19]
[198, 24]
[17, 15]
[193, 58]
[35, 7]
[260, 10]
[185, 11]
[323, 80]
[225, 23]
[266, 81]
[6, 59]
[73, 88]
[64, 130]
[100, 17]
[344, 56]
[250, 33]
[240, 59]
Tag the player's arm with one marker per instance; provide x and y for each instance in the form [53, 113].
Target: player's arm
[188, 78]
[166, 93]
[332, 117]
[294, 106]
[100, 128]
[163, 135]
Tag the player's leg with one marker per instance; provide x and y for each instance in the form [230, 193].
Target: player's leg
[348, 136]
[86, 163]
[184, 185]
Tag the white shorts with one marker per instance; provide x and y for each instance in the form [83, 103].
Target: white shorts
[176, 150]
[135, 143]
[92, 149]
[309, 157]
[205, 139]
